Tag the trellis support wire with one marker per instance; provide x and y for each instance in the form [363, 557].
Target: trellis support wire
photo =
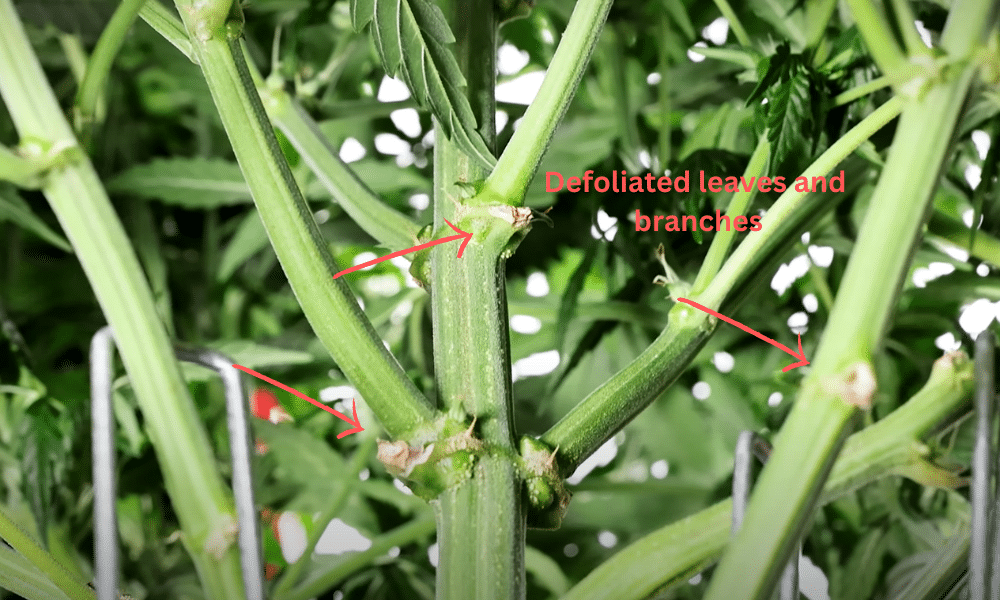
[106, 554]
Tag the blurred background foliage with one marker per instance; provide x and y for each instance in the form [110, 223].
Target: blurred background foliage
[582, 301]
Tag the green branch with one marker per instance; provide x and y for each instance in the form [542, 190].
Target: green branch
[738, 205]
[388, 226]
[735, 267]
[674, 553]
[89, 96]
[328, 303]
[860, 91]
[878, 35]
[164, 22]
[323, 578]
[616, 402]
[734, 23]
[516, 166]
[347, 485]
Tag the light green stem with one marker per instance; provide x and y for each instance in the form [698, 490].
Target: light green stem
[984, 246]
[387, 225]
[196, 490]
[516, 166]
[42, 560]
[790, 199]
[842, 377]
[741, 199]
[166, 24]
[905, 20]
[91, 90]
[384, 223]
[879, 37]
[329, 304]
[734, 22]
[861, 91]
[674, 553]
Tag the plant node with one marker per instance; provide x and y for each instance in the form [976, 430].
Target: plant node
[855, 387]
[547, 494]
[432, 466]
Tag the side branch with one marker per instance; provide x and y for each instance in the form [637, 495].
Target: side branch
[328, 304]
[520, 159]
[616, 402]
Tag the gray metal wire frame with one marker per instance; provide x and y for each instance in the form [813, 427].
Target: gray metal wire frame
[748, 446]
[984, 545]
[106, 555]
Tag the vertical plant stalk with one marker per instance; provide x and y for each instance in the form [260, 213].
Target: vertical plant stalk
[196, 490]
[328, 303]
[481, 522]
[842, 378]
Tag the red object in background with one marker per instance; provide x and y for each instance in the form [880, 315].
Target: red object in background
[265, 405]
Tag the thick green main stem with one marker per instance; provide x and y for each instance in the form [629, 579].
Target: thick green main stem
[81, 204]
[842, 376]
[328, 303]
[481, 522]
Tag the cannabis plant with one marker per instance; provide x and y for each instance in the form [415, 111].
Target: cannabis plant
[553, 311]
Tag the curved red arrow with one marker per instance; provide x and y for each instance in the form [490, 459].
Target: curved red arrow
[799, 355]
[461, 236]
[354, 404]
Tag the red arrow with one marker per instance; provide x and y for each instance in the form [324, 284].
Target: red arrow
[461, 236]
[354, 405]
[799, 355]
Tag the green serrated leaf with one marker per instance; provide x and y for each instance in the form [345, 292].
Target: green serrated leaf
[198, 183]
[770, 70]
[411, 38]
[789, 114]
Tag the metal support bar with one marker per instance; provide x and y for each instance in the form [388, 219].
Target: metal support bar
[102, 422]
[106, 559]
[984, 545]
[748, 446]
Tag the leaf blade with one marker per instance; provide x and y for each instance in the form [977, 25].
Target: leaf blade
[411, 37]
